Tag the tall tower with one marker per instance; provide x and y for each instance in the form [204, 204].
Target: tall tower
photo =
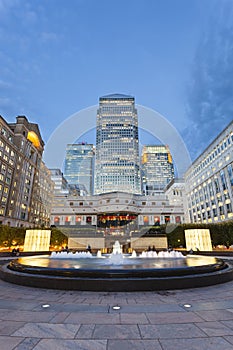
[117, 166]
[157, 168]
[79, 163]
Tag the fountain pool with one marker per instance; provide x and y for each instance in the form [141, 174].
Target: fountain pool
[117, 271]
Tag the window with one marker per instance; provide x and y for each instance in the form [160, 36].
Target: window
[88, 219]
[3, 168]
[3, 132]
[56, 220]
[223, 180]
[216, 183]
[229, 208]
[78, 219]
[230, 173]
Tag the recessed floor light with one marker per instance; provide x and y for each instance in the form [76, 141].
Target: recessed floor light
[116, 307]
[45, 306]
[187, 305]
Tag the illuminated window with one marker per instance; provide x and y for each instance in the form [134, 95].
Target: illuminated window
[156, 220]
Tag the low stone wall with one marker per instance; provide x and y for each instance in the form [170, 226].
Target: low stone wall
[137, 243]
[143, 243]
[81, 243]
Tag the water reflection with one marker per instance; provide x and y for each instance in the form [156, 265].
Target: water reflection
[126, 263]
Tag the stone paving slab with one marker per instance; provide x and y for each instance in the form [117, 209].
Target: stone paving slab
[213, 305]
[8, 327]
[133, 318]
[17, 305]
[80, 320]
[9, 343]
[148, 308]
[116, 332]
[56, 344]
[215, 328]
[47, 330]
[211, 343]
[215, 315]
[27, 316]
[134, 345]
[74, 308]
[96, 318]
[173, 317]
[27, 343]
[182, 330]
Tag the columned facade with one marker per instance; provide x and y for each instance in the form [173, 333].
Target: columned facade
[115, 213]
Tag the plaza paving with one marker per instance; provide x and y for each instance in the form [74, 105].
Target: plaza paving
[87, 320]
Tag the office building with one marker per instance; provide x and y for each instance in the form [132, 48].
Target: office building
[60, 183]
[79, 165]
[209, 182]
[117, 166]
[157, 168]
[25, 184]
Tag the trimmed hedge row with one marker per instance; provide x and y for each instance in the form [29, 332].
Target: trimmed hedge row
[14, 236]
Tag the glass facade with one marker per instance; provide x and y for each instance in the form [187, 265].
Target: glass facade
[157, 168]
[117, 166]
[79, 165]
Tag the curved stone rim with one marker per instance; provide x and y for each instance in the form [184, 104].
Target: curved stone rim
[115, 272]
[120, 283]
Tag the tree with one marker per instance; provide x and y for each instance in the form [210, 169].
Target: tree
[58, 238]
[11, 236]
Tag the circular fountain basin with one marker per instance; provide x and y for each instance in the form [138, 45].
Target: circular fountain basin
[122, 274]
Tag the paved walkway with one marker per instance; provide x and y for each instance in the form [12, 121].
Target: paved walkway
[87, 320]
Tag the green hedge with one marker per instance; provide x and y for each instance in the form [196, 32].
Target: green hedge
[14, 236]
[221, 233]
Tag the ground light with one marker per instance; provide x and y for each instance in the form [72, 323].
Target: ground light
[116, 307]
[45, 306]
[187, 305]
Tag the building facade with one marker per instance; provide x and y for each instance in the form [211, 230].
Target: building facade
[79, 165]
[24, 179]
[209, 182]
[114, 214]
[60, 183]
[117, 166]
[157, 168]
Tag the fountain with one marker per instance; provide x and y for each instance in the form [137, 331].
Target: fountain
[117, 271]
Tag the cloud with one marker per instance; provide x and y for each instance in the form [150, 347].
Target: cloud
[5, 101]
[5, 84]
[5, 5]
[48, 36]
[210, 93]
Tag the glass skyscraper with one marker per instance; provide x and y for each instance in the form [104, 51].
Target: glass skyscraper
[117, 166]
[157, 168]
[79, 165]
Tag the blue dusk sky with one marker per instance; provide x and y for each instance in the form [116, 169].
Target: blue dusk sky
[58, 57]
